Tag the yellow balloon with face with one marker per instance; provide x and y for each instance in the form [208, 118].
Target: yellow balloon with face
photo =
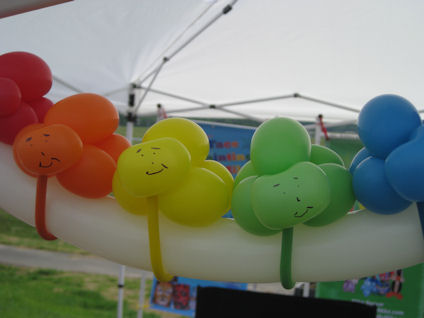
[131, 203]
[153, 167]
[201, 199]
[190, 134]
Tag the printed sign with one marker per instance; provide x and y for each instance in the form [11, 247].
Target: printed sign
[396, 294]
[179, 295]
[229, 144]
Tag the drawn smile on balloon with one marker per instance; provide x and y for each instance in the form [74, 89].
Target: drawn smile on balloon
[296, 215]
[158, 171]
[52, 159]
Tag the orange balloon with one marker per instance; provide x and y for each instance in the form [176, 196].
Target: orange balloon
[114, 145]
[92, 116]
[15, 155]
[47, 150]
[92, 176]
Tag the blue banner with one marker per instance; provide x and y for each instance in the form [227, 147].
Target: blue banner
[179, 295]
[229, 144]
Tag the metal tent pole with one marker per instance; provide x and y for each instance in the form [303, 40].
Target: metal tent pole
[258, 100]
[121, 291]
[166, 59]
[57, 79]
[224, 11]
[319, 101]
[141, 295]
[131, 118]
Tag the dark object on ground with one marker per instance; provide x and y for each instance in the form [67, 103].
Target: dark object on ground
[219, 302]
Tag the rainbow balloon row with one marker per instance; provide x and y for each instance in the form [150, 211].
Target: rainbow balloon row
[287, 182]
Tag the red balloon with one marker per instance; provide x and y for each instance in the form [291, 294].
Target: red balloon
[10, 96]
[29, 72]
[91, 177]
[41, 107]
[12, 124]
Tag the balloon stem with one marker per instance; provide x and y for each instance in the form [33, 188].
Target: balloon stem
[154, 240]
[40, 209]
[420, 206]
[286, 259]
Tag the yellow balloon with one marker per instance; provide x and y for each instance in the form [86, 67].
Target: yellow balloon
[187, 132]
[221, 172]
[131, 203]
[201, 199]
[153, 167]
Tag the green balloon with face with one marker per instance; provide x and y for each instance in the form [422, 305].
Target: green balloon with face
[294, 196]
[241, 208]
[278, 144]
[342, 195]
[321, 154]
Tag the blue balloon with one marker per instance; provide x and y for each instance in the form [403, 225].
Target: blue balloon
[405, 169]
[359, 157]
[386, 122]
[373, 190]
[418, 133]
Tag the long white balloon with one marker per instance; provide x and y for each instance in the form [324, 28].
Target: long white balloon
[358, 245]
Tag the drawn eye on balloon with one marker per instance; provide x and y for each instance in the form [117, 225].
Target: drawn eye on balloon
[288, 182]
[44, 151]
[168, 172]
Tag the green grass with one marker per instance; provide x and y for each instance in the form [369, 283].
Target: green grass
[48, 293]
[138, 132]
[15, 232]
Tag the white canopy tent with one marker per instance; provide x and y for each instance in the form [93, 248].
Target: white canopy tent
[301, 58]
[263, 59]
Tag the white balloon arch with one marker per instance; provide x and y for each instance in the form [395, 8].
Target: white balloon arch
[358, 245]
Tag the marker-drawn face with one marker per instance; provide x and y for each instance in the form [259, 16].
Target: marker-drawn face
[48, 150]
[153, 167]
[290, 197]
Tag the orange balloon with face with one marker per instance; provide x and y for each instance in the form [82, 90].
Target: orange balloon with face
[42, 151]
[48, 150]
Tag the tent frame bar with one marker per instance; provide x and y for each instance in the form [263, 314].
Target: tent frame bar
[204, 105]
[62, 82]
[166, 59]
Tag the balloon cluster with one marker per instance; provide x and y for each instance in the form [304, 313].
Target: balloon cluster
[93, 120]
[171, 164]
[76, 144]
[289, 181]
[24, 79]
[168, 172]
[388, 172]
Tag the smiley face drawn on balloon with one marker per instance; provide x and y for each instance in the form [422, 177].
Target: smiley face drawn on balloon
[294, 196]
[153, 167]
[48, 150]
[153, 154]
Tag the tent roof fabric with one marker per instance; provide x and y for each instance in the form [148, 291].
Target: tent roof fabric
[344, 53]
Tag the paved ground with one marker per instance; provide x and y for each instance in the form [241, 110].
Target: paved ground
[17, 256]
[11, 255]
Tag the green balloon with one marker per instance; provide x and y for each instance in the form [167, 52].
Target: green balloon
[294, 196]
[321, 154]
[278, 144]
[246, 171]
[241, 208]
[342, 195]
